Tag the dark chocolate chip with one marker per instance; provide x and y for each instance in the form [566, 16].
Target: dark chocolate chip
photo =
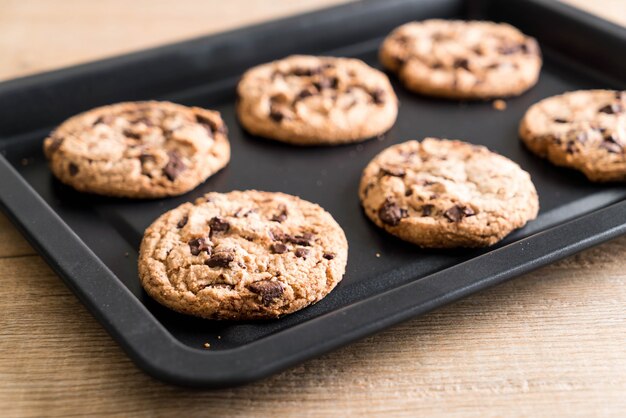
[218, 224]
[301, 252]
[55, 144]
[174, 166]
[390, 213]
[559, 120]
[306, 72]
[531, 47]
[327, 83]
[210, 126]
[427, 210]
[281, 216]
[197, 245]
[457, 212]
[611, 138]
[461, 63]
[611, 144]
[276, 234]
[144, 158]
[276, 114]
[278, 248]
[611, 147]
[309, 91]
[611, 109]
[392, 171]
[268, 290]
[220, 259]
[106, 119]
[328, 256]
[304, 239]
[378, 96]
[73, 168]
[400, 61]
[182, 222]
[512, 49]
[131, 134]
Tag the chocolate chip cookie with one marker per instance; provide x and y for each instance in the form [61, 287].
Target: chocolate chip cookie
[308, 100]
[584, 130]
[242, 255]
[138, 149]
[462, 59]
[446, 193]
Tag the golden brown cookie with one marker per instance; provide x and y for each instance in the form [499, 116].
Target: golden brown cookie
[462, 59]
[242, 255]
[138, 149]
[445, 193]
[584, 130]
[309, 100]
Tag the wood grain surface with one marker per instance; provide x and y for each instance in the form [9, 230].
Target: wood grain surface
[551, 343]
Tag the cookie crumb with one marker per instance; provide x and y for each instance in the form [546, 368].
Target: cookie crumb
[499, 104]
[24, 161]
[377, 255]
[207, 345]
[219, 337]
[126, 254]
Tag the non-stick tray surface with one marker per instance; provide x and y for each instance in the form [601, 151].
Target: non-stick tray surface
[92, 242]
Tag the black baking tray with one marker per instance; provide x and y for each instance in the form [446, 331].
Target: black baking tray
[92, 242]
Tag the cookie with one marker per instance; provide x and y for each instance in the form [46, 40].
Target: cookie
[584, 130]
[308, 100]
[138, 149]
[462, 59]
[446, 193]
[242, 255]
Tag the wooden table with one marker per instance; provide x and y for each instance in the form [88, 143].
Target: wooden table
[548, 343]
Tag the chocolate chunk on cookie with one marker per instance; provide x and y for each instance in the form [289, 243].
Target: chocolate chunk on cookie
[462, 59]
[206, 259]
[451, 194]
[138, 149]
[584, 130]
[308, 100]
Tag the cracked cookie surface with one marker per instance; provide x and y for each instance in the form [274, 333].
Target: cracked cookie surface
[445, 193]
[242, 255]
[584, 130]
[310, 100]
[462, 59]
[138, 149]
